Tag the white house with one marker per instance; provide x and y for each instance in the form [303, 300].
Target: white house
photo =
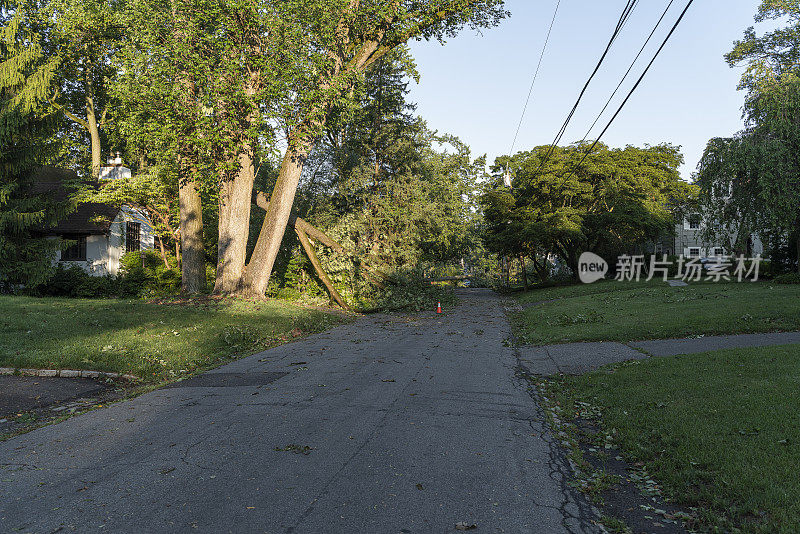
[101, 233]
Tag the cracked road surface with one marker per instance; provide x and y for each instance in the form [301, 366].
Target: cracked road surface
[391, 424]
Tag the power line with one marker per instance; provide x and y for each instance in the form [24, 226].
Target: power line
[629, 7]
[535, 76]
[638, 82]
[623, 19]
[625, 76]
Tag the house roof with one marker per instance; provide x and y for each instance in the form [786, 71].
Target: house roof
[91, 218]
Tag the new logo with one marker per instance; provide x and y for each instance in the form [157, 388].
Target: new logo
[591, 267]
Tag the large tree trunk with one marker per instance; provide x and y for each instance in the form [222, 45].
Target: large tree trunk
[94, 136]
[524, 273]
[797, 244]
[193, 268]
[91, 122]
[262, 260]
[234, 226]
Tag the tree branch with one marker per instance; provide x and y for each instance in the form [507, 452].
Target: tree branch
[261, 200]
[69, 114]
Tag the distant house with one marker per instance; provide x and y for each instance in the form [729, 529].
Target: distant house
[688, 241]
[101, 233]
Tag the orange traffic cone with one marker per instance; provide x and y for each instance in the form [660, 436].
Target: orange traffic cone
[438, 307]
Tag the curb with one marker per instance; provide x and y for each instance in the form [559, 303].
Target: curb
[64, 373]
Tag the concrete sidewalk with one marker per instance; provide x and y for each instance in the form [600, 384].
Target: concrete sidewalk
[673, 347]
[579, 358]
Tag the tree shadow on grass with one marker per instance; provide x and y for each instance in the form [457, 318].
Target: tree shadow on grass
[153, 340]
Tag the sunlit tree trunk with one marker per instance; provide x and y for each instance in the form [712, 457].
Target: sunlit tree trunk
[234, 225]
[263, 258]
[191, 228]
[94, 136]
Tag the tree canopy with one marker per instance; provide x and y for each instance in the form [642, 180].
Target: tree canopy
[617, 199]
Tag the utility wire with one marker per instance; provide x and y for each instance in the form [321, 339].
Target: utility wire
[608, 103]
[638, 82]
[625, 23]
[535, 76]
[630, 6]
[626, 12]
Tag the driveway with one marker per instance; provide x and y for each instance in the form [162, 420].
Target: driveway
[393, 423]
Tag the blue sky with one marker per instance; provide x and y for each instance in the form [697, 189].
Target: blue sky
[475, 86]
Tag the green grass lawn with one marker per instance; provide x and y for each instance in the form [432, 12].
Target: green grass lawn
[154, 341]
[720, 431]
[616, 311]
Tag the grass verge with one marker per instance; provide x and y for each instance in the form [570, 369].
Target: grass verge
[152, 340]
[719, 431]
[615, 311]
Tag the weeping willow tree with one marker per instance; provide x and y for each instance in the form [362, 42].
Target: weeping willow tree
[25, 130]
[750, 181]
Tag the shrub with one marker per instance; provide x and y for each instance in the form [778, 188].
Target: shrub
[72, 281]
[143, 273]
[788, 278]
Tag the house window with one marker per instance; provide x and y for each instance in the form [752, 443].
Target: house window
[694, 252]
[77, 250]
[719, 252]
[694, 221]
[133, 231]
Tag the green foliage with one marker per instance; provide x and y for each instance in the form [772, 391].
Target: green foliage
[749, 180]
[151, 191]
[25, 130]
[144, 274]
[201, 89]
[407, 290]
[788, 278]
[397, 196]
[74, 282]
[617, 199]
[771, 55]
[78, 38]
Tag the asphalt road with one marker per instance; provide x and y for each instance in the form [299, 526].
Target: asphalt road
[23, 393]
[391, 424]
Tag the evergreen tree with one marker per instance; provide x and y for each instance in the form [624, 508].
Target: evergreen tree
[25, 140]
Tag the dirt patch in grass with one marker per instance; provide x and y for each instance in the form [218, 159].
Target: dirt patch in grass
[628, 499]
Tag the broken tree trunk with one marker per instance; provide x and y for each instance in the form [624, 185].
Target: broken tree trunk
[260, 200]
[304, 230]
[312, 255]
